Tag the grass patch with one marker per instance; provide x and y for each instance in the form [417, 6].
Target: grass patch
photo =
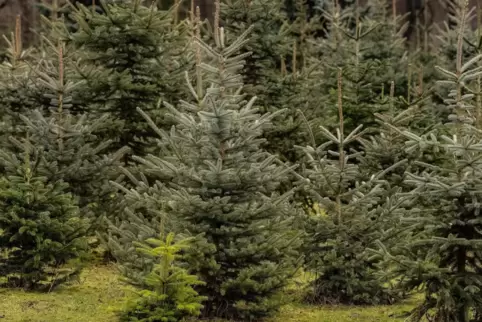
[99, 293]
[93, 299]
[305, 313]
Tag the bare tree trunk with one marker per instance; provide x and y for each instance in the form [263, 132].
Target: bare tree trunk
[207, 9]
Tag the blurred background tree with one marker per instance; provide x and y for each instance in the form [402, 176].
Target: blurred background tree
[424, 14]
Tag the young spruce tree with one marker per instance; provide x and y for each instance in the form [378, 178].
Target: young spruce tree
[272, 72]
[441, 253]
[71, 151]
[168, 294]
[369, 47]
[17, 91]
[222, 187]
[133, 56]
[41, 226]
[354, 215]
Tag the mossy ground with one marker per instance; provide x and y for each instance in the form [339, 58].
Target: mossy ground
[99, 293]
[94, 298]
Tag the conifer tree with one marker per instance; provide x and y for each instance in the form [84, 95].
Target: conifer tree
[445, 54]
[133, 56]
[169, 293]
[142, 213]
[17, 92]
[221, 187]
[441, 252]
[71, 151]
[269, 41]
[42, 229]
[278, 72]
[265, 73]
[142, 216]
[369, 47]
[387, 145]
[448, 34]
[353, 216]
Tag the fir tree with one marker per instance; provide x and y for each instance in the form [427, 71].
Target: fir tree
[133, 56]
[292, 91]
[169, 293]
[41, 227]
[269, 42]
[143, 216]
[278, 72]
[71, 151]
[445, 54]
[448, 34]
[369, 47]
[353, 216]
[17, 90]
[441, 252]
[221, 186]
[387, 145]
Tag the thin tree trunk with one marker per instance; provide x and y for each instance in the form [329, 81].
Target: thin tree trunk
[207, 9]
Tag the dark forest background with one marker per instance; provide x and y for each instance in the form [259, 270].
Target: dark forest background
[423, 13]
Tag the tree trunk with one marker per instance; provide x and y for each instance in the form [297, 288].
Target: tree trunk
[207, 9]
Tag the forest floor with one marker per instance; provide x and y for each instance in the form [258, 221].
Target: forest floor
[99, 294]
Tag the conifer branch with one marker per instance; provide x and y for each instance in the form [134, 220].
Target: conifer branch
[340, 103]
[177, 4]
[309, 129]
[409, 83]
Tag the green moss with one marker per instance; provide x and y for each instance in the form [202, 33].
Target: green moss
[99, 294]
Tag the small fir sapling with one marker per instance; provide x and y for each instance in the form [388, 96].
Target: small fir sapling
[167, 293]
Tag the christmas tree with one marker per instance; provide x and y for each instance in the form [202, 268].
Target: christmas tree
[368, 44]
[221, 187]
[142, 213]
[169, 295]
[275, 72]
[43, 231]
[269, 41]
[71, 151]
[17, 91]
[143, 216]
[441, 249]
[445, 54]
[133, 56]
[459, 20]
[353, 216]
[386, 146]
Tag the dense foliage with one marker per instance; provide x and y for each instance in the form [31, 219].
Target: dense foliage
[169, 295]
[41, 226]
[278, 136]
